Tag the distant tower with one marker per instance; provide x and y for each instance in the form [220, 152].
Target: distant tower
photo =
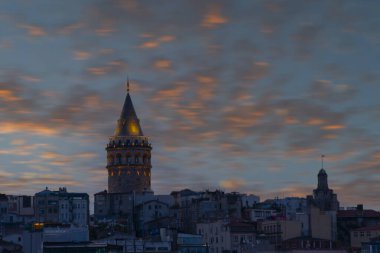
[322, 180]
[324, 197]
[128, 154]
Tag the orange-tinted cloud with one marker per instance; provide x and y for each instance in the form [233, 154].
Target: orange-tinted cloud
[97, 71]
[315, 121]
[8, 95]
[333, 127]
[166, 38]
[258, 71]
[81, 55]
[69, 29]
[170, 95]
[213, 18]
[232, 184]
[86, 155]
[162, 64]
[34, 30]
[105, 28]
[155, 41]
[113, 66]
[7, 127]
[149, 44]
[31, 78]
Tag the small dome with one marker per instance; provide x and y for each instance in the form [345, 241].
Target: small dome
[322, 171]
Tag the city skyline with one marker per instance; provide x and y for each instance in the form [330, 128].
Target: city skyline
[241, 96]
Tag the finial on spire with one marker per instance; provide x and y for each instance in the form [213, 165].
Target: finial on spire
[322, 157]
[127, 84]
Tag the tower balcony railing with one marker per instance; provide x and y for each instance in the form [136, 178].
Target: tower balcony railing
[128, 141]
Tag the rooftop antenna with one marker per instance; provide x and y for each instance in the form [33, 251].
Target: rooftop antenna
[322, 158]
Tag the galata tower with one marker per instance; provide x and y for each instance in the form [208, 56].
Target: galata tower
[128, 154]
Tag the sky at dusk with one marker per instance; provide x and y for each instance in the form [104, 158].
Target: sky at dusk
[234, 95]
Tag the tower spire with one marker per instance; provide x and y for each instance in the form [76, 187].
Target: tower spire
[322, 158]
[127, 84]
[128, 123]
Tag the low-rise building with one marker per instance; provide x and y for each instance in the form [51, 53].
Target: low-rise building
[277, 231]
[372, 246]
[224, 236]
[62, 207]
[363, 234]
[190, 243]
[147, 212]
[261, 214]
[353, 218]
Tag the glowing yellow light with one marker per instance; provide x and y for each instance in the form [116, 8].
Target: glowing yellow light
[38, 226]
[133, 129]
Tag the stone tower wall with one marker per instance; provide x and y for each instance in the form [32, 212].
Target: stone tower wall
[129, 164]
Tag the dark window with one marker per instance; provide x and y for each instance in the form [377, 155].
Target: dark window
[27, 201]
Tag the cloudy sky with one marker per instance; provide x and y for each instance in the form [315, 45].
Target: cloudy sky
[236, 95]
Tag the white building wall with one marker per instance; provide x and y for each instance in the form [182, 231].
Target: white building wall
[216, 235]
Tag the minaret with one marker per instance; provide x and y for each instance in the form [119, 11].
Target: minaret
[128, 154]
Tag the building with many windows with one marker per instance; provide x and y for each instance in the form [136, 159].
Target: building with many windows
[364, 234]
[228, 236]
[61, 207]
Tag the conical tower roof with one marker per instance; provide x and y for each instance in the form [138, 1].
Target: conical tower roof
[128, 123]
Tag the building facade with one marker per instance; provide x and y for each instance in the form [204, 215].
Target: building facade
[277, 231]
[363, 235]
[228, 236]
[61, 207]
